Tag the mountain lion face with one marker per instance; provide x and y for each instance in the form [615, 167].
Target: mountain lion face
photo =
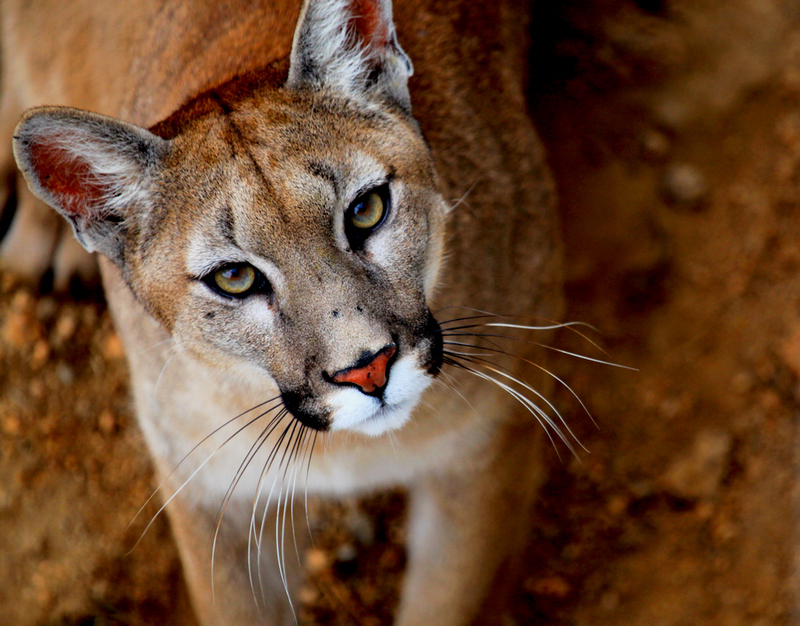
[276, 243]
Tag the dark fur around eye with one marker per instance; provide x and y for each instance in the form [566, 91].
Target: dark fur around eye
[356, 234]
[223, 281]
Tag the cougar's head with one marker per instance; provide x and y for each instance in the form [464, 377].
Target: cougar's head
[284, 227]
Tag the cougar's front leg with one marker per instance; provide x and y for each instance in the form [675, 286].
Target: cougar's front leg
[244, 592]
[466, 526]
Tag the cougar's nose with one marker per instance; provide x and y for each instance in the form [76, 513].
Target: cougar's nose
[370, 372]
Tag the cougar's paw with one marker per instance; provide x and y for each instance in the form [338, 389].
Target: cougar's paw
[35, 240]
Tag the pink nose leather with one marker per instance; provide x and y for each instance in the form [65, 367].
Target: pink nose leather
[368, 377]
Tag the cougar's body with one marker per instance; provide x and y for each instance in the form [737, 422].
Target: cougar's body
[268, 140]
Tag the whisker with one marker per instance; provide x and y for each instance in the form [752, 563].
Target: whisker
[507, 374]
[536, 411]
[154, 346]
[281, 540]
[252, 536]
[528, 361]
[293, 480]
[308, 471]
[527, 402]
[260, 440]
[175, 352]
[186, 456]
[464, 197]
[541, 345]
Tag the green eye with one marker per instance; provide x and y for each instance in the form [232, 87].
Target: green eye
[235, 280]
[367, 211]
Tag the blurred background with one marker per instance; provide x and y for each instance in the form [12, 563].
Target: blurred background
[673, 132]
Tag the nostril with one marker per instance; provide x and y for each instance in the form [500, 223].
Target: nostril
[370, 374]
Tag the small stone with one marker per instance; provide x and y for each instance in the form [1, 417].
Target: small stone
[307, 595]
[684, 186]
[65, 373]
[552, 586]
[19, 330]
[112, 347]
[46, 308]
[617, 504]
[361, 526]
[317, 560]
[65, 327]
[41, 352]
[699, 473]
[346, 553]
[656, 145]
[106, 422]
[11, 425]
[790, 352]
[22, 301]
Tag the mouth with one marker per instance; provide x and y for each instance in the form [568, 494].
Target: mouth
[355, 411]
[349, 407]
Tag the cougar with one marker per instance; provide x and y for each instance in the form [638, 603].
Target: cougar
[307, 243]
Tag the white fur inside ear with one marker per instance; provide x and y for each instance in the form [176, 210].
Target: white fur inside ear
[353, 410]
[109, 168]
[329, 52]
[94, 170]
[325, 42]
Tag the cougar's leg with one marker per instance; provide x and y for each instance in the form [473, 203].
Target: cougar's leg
[466, 527]
[239, 596]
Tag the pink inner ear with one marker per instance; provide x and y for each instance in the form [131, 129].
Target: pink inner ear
[369, 23]
[65, 175]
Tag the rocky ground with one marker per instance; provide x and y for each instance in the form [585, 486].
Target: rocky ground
[673, 129]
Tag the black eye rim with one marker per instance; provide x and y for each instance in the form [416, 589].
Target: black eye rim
[260, 285]
[357, 236]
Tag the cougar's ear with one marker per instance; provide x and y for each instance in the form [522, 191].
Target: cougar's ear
[350, 46]
[94, 170]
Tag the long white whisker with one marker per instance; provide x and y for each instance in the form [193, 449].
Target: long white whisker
[493, 368]
[175, 352]
[200, 443]
[192, 475]
[252, 532]
[464, 197]
[534, 409]
[308, 471]
[260, 440]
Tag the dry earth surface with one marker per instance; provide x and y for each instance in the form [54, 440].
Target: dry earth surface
[673, 129]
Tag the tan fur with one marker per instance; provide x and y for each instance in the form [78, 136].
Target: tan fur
[255, 155]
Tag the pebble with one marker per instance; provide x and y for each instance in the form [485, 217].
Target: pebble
[317, 560]
[19, 329]
[552, 586]
[112, 347]
[65, 373]
[106, 422]
[656, 144]
[346, 553]
[361, 526]
[41, 352]
[684, 186]
[65, 327]
[11, 425]
[790, 352]
[699, 472]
